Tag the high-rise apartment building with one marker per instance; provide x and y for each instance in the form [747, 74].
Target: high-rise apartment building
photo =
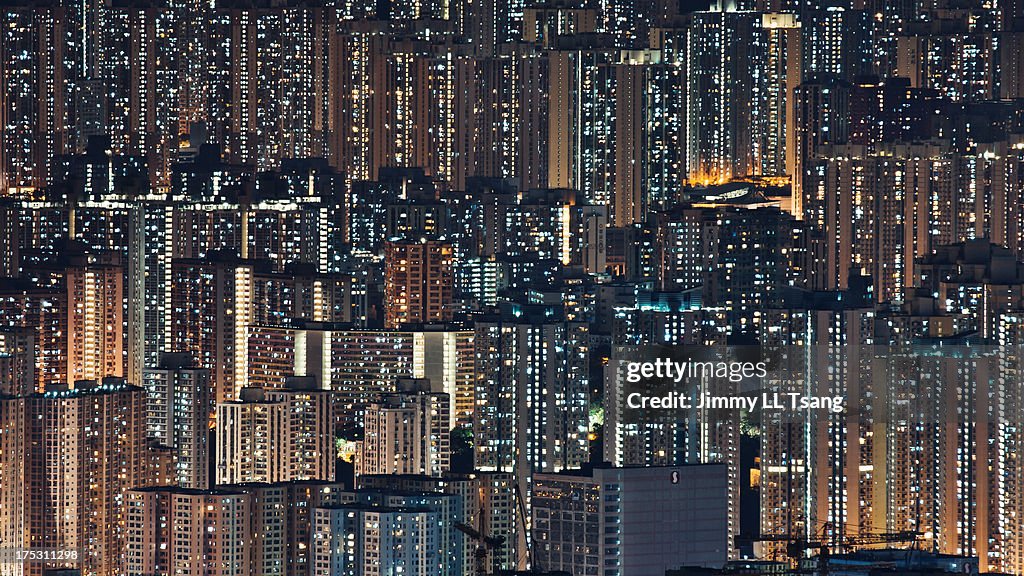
[252, 439]
[39, 313]
[74, 307]
[17, 361]
[640, 521]
[407, 432]
[276, 435]
[336, 355]
[635, 438]
[418, 282]
[271, 84]
[211, 306]
[139, 62]
[876, 212]
[370, 210]
[720, 53]
[311, 449]
[247, 530]
[15, 517]
[290, 215]
[736, 257]
[532, 392]
[784, 69]
[545, 23]
[578, 91]
[35, 73]
[77, 452]
[953, 55]
[361, 51]
[821, 117]
[10, 253]
[171, 532]
[357, 538]
[615, 120]
[377, 530]
[837, 41]
[836, 483]
[95, 325]
[489, 505]
[973, 281]
[179, 409]
[541, 224]
[898, 456]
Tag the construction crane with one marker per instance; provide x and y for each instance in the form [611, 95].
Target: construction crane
[534, 565]
[797, 545]
[486, 543]
[870, 538]
[484, 546]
